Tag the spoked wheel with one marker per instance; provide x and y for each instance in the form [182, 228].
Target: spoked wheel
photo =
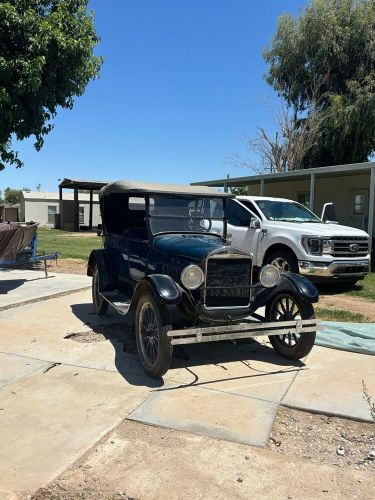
[285, 307]
[100, 305]
[153, 344]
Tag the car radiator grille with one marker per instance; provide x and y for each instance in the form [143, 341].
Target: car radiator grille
[228, 282]
[342, 246]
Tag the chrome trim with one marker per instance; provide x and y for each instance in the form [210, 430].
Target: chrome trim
[243, 331]
[334, 269]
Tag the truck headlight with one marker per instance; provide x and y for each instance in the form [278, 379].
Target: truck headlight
[315, 246]
[192, 277]
[269, 276]
[327, 247]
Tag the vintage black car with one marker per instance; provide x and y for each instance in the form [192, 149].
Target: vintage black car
[167, 258]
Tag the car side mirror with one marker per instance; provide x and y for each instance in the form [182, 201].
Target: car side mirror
[254, 223]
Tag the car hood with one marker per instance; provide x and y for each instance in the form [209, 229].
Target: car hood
[318, 229]
[194, 247]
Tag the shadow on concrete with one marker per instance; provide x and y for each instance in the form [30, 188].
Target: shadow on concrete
[7, 285]
[120, 332]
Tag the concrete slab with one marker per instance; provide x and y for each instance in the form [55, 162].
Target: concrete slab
[38, 331]
[252, 370]
[14, 368]
[50, 419]
[18, 286]
[211, 413]
[332, 384]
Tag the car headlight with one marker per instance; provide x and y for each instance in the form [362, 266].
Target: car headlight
[269, 276]
[192, 277]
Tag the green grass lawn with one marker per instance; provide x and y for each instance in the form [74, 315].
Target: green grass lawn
[70, 245]
[339, 315]
[364, 288]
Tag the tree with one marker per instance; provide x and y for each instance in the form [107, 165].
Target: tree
[333, 41]
[13, 195]
[46, 59]
[286, 148]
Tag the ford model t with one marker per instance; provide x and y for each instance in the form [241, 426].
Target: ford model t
[167, 259]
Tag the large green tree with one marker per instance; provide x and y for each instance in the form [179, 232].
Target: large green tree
[324, 62]
[46, 59]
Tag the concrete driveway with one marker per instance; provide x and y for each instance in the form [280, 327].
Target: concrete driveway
[67, 377]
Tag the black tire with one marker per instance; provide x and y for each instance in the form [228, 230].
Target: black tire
[155, 350]
[284, 260]
[285, 307]
[100, 305]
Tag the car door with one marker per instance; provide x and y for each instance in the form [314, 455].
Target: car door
[239, 218]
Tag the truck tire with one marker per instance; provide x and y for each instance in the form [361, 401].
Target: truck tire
[100, 305]
[284, 260]
[285, 307]
[153, 345]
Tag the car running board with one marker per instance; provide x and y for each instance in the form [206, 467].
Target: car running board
[118, 300]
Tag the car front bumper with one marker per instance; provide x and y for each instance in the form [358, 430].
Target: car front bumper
[243, 330]
[335, 269]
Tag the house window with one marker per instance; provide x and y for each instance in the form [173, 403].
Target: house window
[81, 215]
[359, 204]
[304, 199]
[52, 211]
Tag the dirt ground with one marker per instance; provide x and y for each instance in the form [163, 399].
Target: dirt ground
[324, 440]
[352, 304]
[138, 461]
[70, 266]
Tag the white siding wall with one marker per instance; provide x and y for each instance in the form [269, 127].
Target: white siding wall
[37, 210]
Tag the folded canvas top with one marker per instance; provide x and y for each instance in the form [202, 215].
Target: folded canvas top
[14, 238]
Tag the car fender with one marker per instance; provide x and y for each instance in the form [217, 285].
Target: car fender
[289, 283]
[102, 260]
[163, 287]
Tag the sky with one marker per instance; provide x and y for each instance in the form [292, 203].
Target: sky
[182, 84]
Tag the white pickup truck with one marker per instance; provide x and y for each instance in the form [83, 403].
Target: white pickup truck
[285, 233]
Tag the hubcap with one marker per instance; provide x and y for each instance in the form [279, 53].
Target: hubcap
[281, 264]
[285, 308]
[149, 332]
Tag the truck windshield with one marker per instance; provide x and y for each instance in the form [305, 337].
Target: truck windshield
[186, 215]
[286, 211]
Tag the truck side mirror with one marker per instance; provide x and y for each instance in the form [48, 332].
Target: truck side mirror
[254, 223]
[329, 214]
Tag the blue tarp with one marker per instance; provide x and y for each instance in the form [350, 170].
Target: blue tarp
[354, 337]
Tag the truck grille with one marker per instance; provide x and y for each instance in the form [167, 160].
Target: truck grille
[349, 246]
[228, 282]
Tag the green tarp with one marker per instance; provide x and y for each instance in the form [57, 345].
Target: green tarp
[354, 337]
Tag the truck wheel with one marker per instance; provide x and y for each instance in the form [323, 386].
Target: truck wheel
[153, 345]
[100, 305]
[284, 260]
[285, 307]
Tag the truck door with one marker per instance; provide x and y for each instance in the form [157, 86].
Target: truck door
[243, 236]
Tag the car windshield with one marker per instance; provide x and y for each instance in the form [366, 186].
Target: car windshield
[286, 211]
[183, 214]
